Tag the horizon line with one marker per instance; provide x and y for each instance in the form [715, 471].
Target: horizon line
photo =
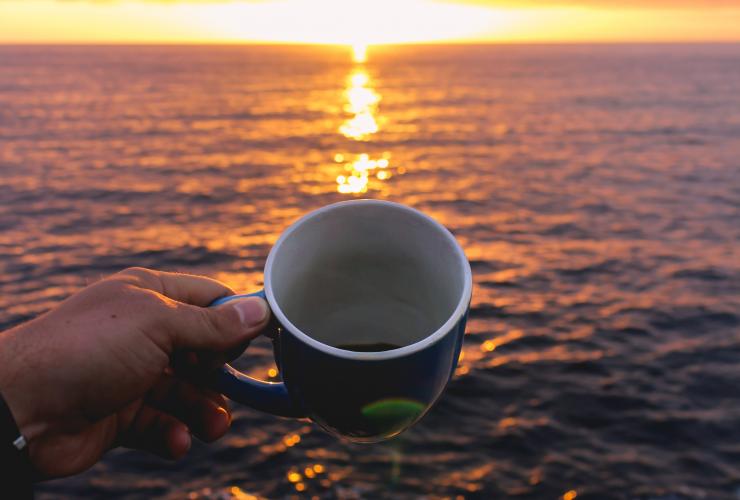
[390, 44]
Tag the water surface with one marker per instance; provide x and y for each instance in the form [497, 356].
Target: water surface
[595, 189]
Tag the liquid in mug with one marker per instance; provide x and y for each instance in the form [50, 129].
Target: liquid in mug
[369, 347]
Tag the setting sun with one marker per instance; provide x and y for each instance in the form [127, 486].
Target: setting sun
[351, 22]
[359, 53]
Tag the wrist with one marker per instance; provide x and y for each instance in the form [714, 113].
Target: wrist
[14, 456]
[30, 428]
[18, 398]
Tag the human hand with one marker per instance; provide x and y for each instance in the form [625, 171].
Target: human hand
[97, 371]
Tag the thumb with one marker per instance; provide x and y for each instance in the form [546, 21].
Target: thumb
[217, 328]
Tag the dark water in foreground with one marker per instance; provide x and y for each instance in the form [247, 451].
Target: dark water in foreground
[596, 191]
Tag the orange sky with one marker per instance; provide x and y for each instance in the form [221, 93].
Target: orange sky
[367, 21]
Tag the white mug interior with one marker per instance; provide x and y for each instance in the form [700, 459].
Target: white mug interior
[367, 275]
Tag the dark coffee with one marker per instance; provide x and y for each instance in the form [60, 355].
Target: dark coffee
[377, 347]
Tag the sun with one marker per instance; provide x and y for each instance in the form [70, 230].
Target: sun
[358, 23]
[359, 52]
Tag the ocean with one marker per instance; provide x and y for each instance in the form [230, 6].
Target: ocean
[594, 188]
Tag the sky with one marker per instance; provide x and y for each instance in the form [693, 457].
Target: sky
[362, 22]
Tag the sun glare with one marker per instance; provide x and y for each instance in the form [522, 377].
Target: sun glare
[359, 53]
[360, 172]
[362, 102]
[357, 23]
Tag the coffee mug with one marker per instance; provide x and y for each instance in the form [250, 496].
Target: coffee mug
[369, 301]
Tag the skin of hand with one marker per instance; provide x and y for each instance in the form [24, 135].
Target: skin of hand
[103, 369]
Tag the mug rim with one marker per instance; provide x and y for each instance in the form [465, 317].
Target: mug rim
[446, 327]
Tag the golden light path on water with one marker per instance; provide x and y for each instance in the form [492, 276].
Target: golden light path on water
[358, 174]
[361, 104]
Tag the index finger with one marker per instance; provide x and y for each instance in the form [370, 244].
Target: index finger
[188, 288]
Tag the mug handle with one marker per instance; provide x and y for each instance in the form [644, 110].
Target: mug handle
[269, 397]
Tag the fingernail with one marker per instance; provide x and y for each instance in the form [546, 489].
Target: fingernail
[227, 412]
[189, 442]
[225, 415]
[185, 442]
[252, 311]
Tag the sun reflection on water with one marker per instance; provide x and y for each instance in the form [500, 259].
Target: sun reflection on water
[359, 172]
[236, 493]
[362, 103]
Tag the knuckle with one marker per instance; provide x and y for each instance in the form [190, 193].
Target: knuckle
[129, 292]
[108, 288]
[137, 272]
[145, 299]
[139, 276]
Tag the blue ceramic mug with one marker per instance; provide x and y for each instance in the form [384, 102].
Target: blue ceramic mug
[369, 300]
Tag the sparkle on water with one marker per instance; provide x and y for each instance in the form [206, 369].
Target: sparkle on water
[362, 105]
[359, 172]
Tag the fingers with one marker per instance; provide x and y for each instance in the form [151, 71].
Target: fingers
[172, 410]
[222, 328]
[204, 412]
[187, 288]
[157, 432]
[172, 310]
[191, 365]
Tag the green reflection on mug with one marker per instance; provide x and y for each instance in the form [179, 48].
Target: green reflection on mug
[394, 413]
